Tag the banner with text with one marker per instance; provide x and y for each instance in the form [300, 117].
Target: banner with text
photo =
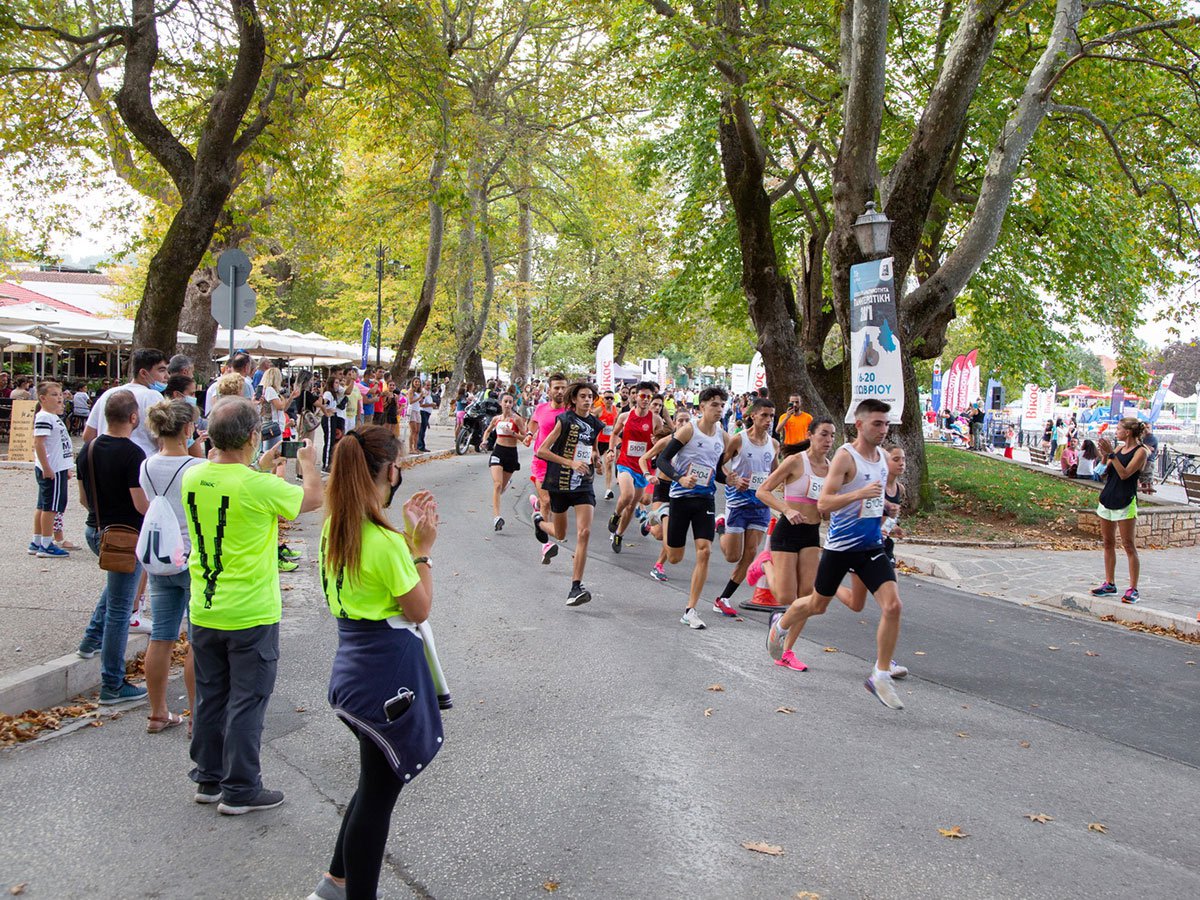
[1160, 397]
[874, 343]
[366, 342]
[740, 381]
[935, 389]
[604, 364]
[758, 373]
[1116, 404]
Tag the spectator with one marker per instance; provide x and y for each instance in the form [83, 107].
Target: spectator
[273, 406]
[149, 367]
[235, 607]
[426, 407]
[1058, 438]
[180, 365]
[5, 384]
[81, 407]
[333, 423]
[108, 469]
[353, 408]
[1118, 505]
[264, 366]
[52, 463]
[239, 363]
[1146, 476]
[21, 391]
[975, 419]
[231, 384]
[794, 423]
[1088, 458]
[1069, 462]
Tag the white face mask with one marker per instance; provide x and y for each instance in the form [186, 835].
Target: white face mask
[340, 390]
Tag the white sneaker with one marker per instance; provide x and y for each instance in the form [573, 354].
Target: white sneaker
[140, 624]
[881, 686]
[691, 619]
[775, 636]
[898, 671]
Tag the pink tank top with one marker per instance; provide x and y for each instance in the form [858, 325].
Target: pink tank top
[806, 488]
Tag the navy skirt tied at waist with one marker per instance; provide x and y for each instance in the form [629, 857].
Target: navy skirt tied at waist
[373, 661]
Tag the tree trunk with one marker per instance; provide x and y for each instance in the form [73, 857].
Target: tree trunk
[465, 320]
[522, 367]
[196, 318]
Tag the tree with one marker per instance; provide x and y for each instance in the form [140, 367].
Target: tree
[1182, 358]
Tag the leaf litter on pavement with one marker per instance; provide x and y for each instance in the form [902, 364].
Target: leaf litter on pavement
[763, 847]
[1040, 818]
[954, 832]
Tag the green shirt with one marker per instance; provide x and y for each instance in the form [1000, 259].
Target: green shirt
[386, 571]
[232, 516]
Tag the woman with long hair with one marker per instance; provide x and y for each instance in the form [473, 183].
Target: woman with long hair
[414, 414]
[1118, 505]
[378, 582]
[333, 424]
[504, 461]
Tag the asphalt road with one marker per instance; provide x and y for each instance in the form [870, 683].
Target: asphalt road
[579, 755]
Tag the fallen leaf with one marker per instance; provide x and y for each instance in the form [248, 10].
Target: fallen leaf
[954, 831]
[961, 734]
[1040, 818]
[715, 688]
[550, 886]
[764, 848]
[1024, 745]
[18, 889]
[1054, 648]
[1090, 653]
[831, 649]
[96, 724]
[1190, 662]
[787, 710]
[918, 653]
[301, 709]
[1096, 826]
[708, 713]
[285, 587]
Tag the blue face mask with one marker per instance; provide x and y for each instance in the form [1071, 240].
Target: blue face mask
[190, 441]
[159, 386]
[191, 400]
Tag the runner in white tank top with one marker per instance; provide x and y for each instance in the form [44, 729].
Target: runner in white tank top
[853, 496]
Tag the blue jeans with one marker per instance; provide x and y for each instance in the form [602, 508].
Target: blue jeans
[109, 628]
[424, 428]
[169, 597]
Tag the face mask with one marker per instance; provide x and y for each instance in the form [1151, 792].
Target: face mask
[340, 391]
[190, 400]
[190, 441]
[159, 386]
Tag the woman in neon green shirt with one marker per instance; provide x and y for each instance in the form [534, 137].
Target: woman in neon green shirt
[379, 586]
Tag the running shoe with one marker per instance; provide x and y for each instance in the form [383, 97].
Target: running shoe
[608, 495]
[616, 543]
[897, 671]
[641, 514]
[498, 523]
[883, 689]
[549, 551]
[691, 619]
[721, 525]
[538, 531]
[613, 522]
[124, 694]
[645, 526]
[775, 636]
[33, 548]
[578, 596]
[1104, 590]
[658, 574]
[1131, 596]
[52, 551]
[533, 501]
[722, 606]
[286, 565]
[140, 624]
[789, 661]
[286, 552]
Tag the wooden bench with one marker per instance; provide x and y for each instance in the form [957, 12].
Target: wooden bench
[1038, 456]
[1191, 486]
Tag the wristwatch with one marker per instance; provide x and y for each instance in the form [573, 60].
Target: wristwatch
[423, 559]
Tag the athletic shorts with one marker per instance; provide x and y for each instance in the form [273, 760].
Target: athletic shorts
[789, 538]
[872, 566]
[52, 491]
[1110, 515]
[694, 513]
[639, 480]
[561, 501]
[601, 447]
[537, 471]
[739, 519]
[506, 457]
[662, 490]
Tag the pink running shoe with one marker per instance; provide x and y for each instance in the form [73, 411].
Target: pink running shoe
[533, 501]
[789, 661]
[722, 606]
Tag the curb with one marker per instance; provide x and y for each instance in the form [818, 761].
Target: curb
[417, 458]
[927, 565]
[1103, 606]
[58, 680]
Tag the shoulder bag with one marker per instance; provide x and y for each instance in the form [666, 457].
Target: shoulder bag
[118, 543]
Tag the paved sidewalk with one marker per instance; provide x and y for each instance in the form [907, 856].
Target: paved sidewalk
[1169, 584]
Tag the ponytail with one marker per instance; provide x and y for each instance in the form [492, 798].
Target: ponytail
[351, 496]
[1135, 427]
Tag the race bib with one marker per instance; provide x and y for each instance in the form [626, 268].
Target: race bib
[505, 428]
[608, 430]
[583, 453]
[702, 474]
[873, 508]
[758, 479]
[814, 488]
[636, 448]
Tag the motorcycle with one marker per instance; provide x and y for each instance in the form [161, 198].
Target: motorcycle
[475, 422]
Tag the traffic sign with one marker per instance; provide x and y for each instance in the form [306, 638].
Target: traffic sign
[233, 267]
[223, 306]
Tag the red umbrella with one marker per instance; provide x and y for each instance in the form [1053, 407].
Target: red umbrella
[1080, 390]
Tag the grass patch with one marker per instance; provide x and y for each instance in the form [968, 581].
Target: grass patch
[979, 497]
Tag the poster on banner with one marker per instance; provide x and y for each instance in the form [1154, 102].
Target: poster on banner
[874, 340]
[366, 342]
[1160, 397]
[758, 373]
[935, 389]
[1029, 407]
[1116, 403]
[740, 382]
[604, 364]
[972, 394]
[950, 391]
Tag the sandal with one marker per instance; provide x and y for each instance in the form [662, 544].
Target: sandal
[155, 724]
[68, 545]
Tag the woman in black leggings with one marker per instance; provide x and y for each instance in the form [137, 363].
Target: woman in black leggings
[378, 583]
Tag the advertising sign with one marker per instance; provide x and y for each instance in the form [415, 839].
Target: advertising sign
[874, 340]
[604, 364]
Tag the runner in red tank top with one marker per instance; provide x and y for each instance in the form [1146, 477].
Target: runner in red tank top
[634, 435]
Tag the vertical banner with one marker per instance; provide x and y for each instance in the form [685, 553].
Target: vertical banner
[1046, 398]
[952, 379]
[20, 434]
[1029, 408]
[740, 381]
[1160, 397]
[1116, 405]
[874, 342]
[366, 343]
[758, 373]
[972, 395]
[604, 364]
[935, 389]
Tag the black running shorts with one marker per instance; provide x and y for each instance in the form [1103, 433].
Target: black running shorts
[662, 490]
[789, 538]
[872, 566]
[561, 501]
[505, 457]
[694, 513]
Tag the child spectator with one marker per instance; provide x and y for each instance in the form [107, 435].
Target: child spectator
[53, 459]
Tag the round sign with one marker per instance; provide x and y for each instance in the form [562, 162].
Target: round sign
[233, 264]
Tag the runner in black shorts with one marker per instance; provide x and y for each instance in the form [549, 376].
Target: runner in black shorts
[509, 428]
[660, 502]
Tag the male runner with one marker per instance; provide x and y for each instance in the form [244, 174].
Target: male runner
[692, 461]
[749, 459]
[606, 412]
[633, 434]
[541, 423]
[660, 509]
[853, 497]
[570, 453]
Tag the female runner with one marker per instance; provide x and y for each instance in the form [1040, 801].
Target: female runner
[509, 428]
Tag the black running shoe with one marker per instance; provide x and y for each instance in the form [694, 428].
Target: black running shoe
[538, 532]
[263, 800]
[613, 521]
[616, 543]
[578, 596]
[499, 523]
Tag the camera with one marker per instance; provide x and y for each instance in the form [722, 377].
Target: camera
[397, 706]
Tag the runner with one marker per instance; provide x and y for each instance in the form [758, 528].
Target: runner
[570, 453]
[853, 496]
[606, 412]
[692, 460]
[660, 510]
[633, 434]
[509, 428]
[893, 494]
[541, 423]
[750, 457]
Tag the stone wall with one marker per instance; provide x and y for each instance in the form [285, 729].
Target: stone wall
[1157, 526]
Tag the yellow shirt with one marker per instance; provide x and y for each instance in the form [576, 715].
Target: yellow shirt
[385, 572]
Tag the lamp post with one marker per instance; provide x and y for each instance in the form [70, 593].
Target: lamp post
[380, 256]
[873, 231]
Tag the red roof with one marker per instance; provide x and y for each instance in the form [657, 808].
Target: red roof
[13, 295]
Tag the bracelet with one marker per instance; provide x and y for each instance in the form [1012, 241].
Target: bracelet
[423, 559]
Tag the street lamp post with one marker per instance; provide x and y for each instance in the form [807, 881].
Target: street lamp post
[873, 231]
[380, 256]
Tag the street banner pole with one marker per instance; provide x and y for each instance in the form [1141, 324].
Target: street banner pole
[875, 370]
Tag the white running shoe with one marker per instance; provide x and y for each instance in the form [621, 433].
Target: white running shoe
[139, 624]
[883, 689]
[775, 636]
[498, 523]
[898, 671]
[691, 619]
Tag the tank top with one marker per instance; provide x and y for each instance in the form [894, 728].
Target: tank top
[807, 488]
[752, 461]
[636, 438]
[1119, 492]
[607, 417]
[858, 526]
[700, 457]
[576, 441]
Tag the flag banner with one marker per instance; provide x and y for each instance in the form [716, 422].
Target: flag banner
[740, 383]
[1160, 397]
[1116, 406]
[935, 389]
[605, 375]
[874, 339]
[366, 342]
[758, 373]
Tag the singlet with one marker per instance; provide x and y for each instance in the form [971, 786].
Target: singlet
[858, 526]
[806, 488]
[700, 456]
[753, 461]
[636, 438]
[607, 418]
[506, 428]
[576, 440]
[543, 423]
[1119, 492]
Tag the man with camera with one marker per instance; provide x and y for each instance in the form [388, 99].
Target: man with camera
[235, 609]
[793, 424]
